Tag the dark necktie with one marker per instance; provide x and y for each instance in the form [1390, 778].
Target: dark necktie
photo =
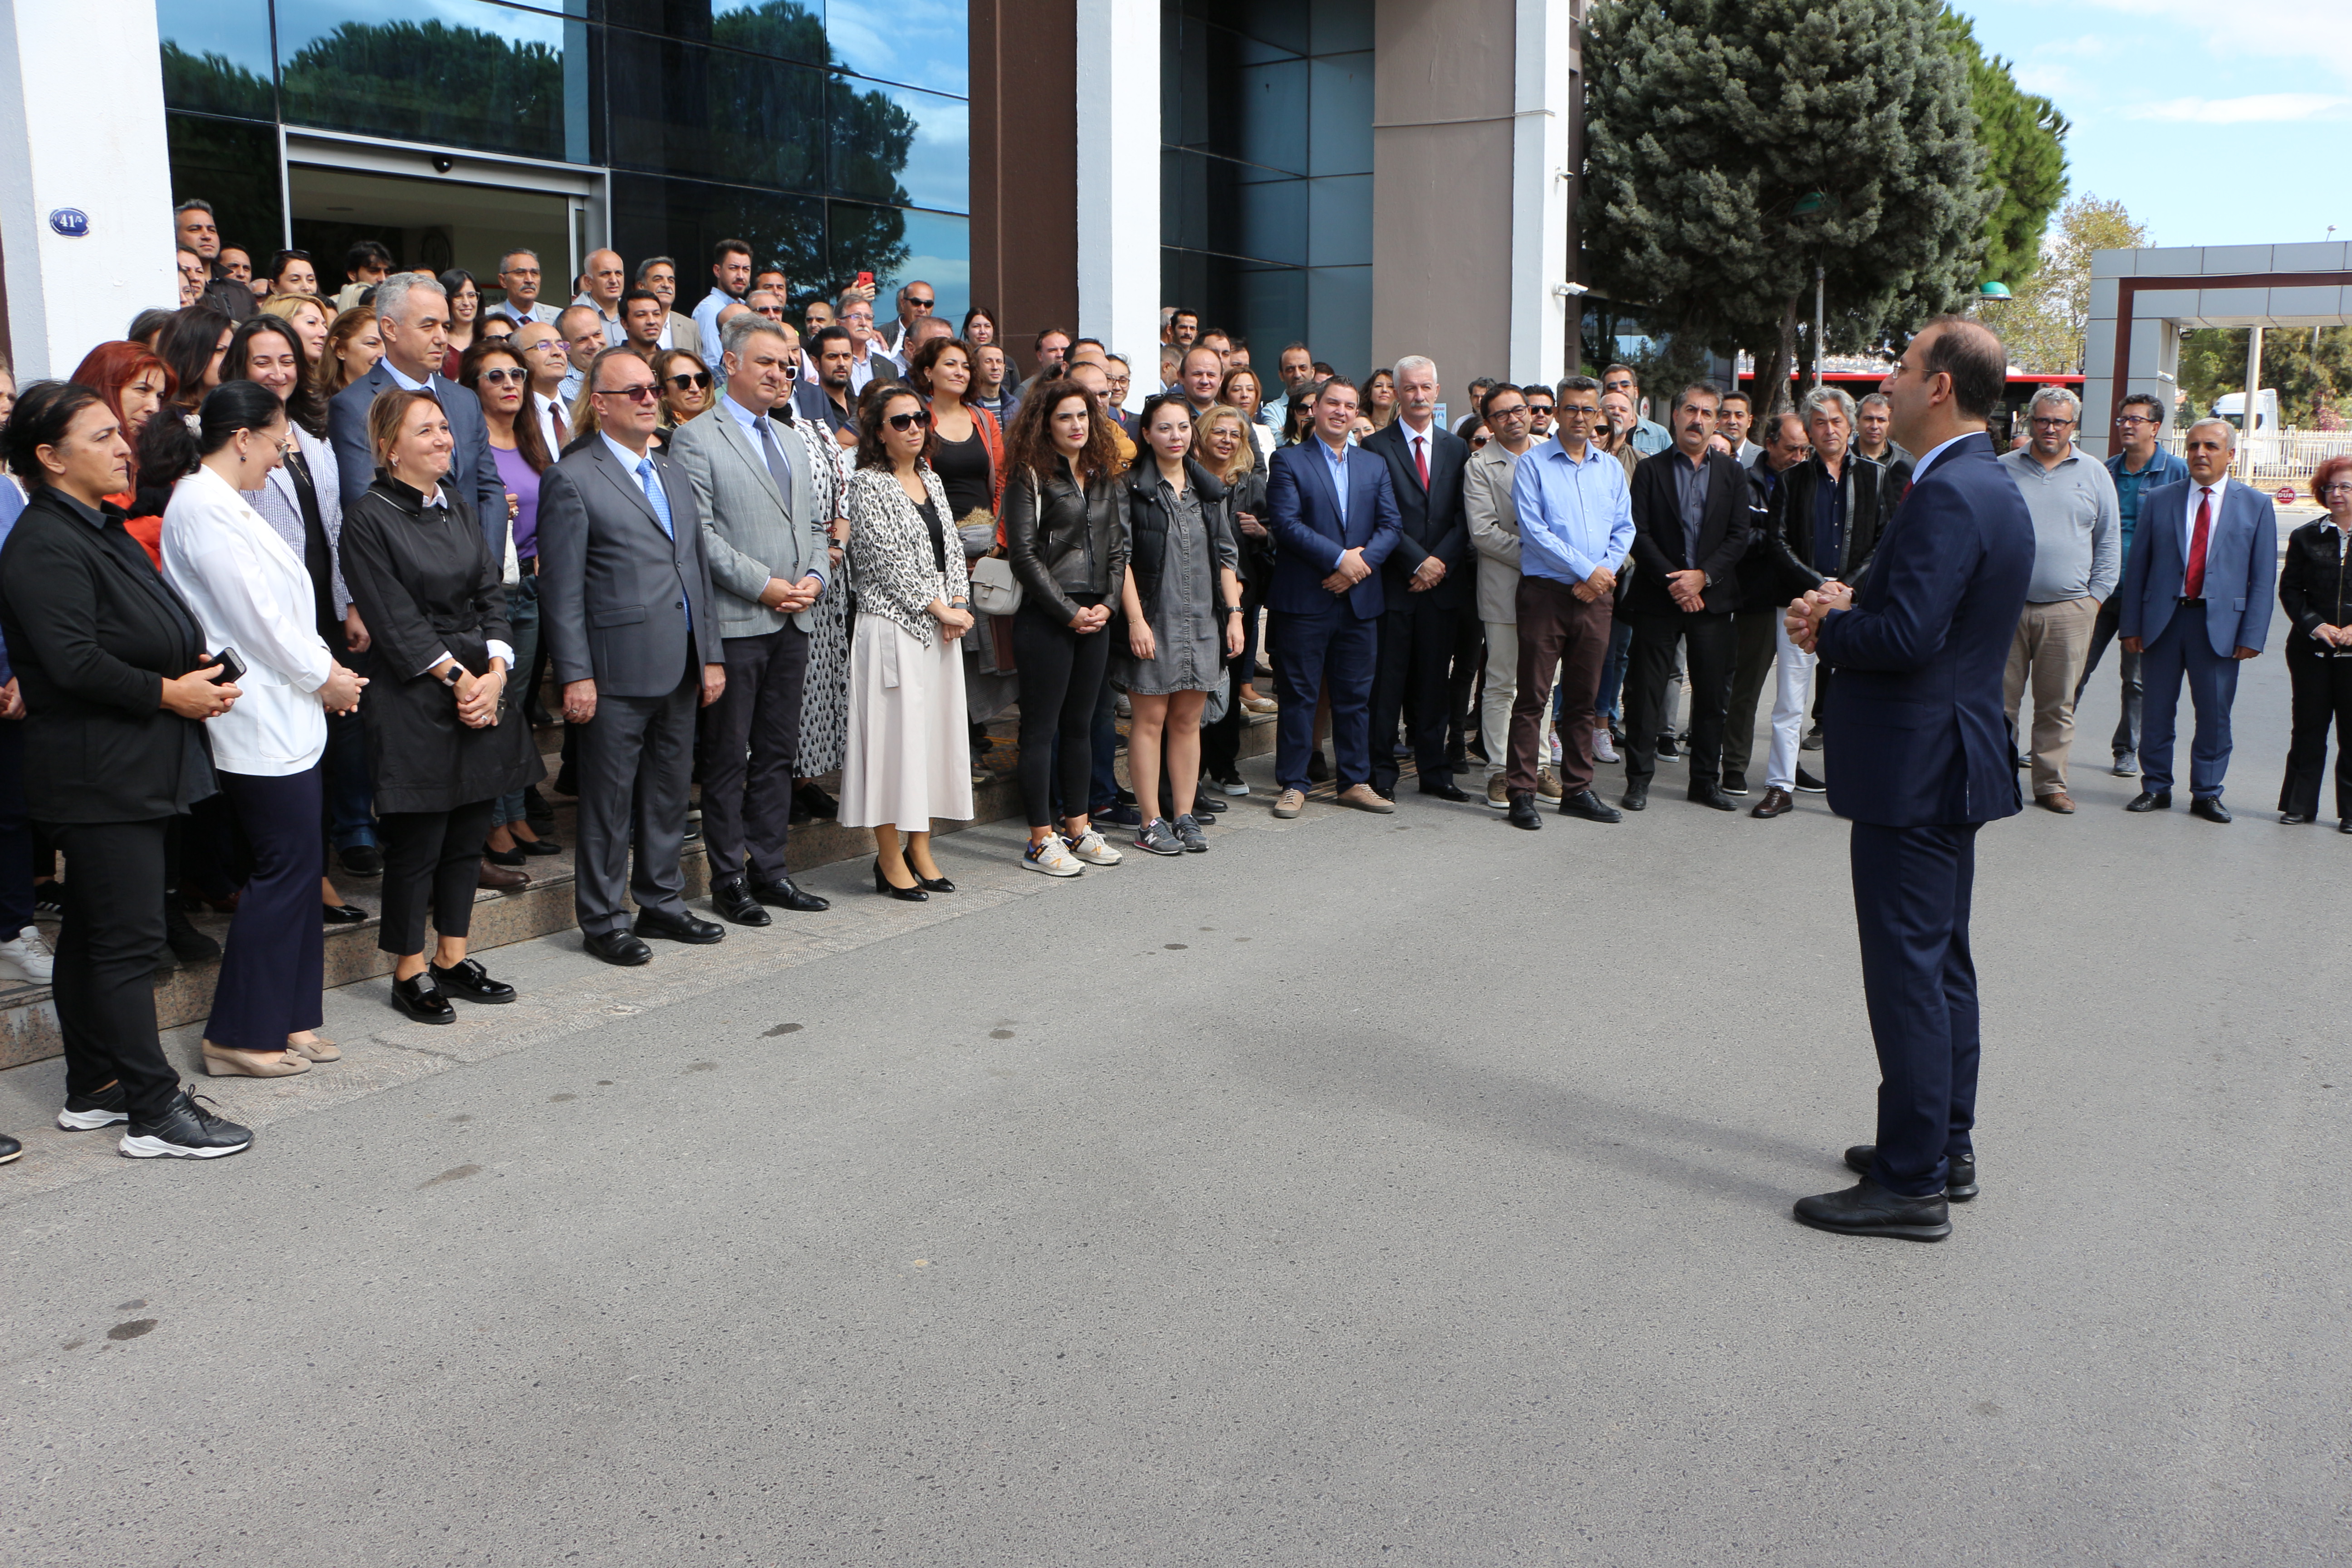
[780, 468]
[562, 436]
[2192, 581]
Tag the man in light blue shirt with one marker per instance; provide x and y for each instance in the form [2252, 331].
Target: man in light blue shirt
[730, 273]
[1576, 527]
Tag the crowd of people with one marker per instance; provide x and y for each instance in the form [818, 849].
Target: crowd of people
[295, 575]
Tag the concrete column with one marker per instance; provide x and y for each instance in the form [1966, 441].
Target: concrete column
[1119, 181]
[1542, 76]
[81, 116]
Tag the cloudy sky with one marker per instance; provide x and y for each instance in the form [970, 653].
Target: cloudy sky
[2214, 122]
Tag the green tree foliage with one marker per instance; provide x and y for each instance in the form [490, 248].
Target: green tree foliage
[437, 83]
[2311, 371]
[214, 84]
[1711, 123]
[2046, 322]
[2023, 136]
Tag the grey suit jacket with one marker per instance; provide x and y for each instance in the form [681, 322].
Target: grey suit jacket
[473, 472]
[751, 530]
[616, 595]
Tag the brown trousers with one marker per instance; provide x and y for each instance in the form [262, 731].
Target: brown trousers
[1557, 632]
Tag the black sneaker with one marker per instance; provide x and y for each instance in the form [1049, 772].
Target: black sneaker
[88, 1112]
[1735, 783]
[10, 1147]
[361, 860]
[1188, 833]
[1808, 784]
[186, 1131]
[49, 897]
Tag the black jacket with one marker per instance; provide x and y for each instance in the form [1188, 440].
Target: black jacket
[93, 632]
[1792, 522]
[1758, 574]
[1247, 494]
[1724, 528]
[1434, 521]
[2312, 589]
[1147, 524]
[1076, 543]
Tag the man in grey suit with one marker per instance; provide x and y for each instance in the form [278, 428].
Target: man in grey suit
[767, 502]
[413, 315]
[626, 608]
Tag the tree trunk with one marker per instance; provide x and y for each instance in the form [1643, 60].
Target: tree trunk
[1772, 375]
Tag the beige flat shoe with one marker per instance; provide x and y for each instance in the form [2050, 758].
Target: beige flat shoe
[317, 1049]
[221, 1062]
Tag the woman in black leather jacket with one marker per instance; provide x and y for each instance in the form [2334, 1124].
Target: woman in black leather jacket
[2314, 588]
[1066, 529]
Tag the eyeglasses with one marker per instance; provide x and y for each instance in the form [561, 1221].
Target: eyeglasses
[1517, 411]
[644, 391]
[2049, 423]
[1579, 411]
[500, 377]
[773, 313]
[920, 419]
[2340, 488]
[2134, 420]
[1539, 407]
[697, 379]
[920, 304]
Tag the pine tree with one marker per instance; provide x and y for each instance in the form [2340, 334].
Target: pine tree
[2023, 138]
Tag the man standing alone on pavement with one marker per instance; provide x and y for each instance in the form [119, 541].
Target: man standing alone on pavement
[2141, 467]
[2077, 563]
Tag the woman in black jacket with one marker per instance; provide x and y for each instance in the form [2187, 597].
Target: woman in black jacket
[443, 742]
[1066, 530]
[1222, 445]
[116, 686]
[2315, 590]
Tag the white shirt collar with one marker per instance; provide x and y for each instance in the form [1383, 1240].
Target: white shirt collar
[622, 456]
[1919, 469]
[1429, 435]
[402, 381]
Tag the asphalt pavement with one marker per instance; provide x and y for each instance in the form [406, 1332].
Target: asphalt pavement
[1369, 1190]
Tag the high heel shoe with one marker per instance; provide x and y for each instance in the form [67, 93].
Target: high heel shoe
[882, 885]
[930, 884]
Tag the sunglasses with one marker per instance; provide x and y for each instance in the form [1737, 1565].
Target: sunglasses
[920, 304]
[920, 419]
[644, 391]
[697, 379]
[500, 377]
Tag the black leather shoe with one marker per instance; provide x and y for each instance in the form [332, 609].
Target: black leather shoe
[930, 884]
[2344, 824]
[1710, 794]
[1959, 1175]
[514, 857]
[1208, 806]
[1318, 769]
[422, 1000]
[344, 914]
[1636, 797]
[2151, 800]
[813, 800]
[681, 927]
[786, 894]
[883, 884]
[733, 901]
[1444, 787]
[539, 847]
[472, 982]
[1590, 806]
[188, 945]
[1869, 1209]
[616, 947]
[2210, 807]
[10, 1147]
[362, 860]
[1523, 810]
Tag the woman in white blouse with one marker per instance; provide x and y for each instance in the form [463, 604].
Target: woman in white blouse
[252, 595]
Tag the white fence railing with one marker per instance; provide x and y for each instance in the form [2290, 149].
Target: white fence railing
[2285, 457]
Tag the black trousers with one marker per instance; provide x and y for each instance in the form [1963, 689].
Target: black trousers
[432, 864]
[2323, 698]
[749, 739]
[1061, 680]
[1220, 742]
[104, 987]
[272, 975]
[2126, 740]
[1415, 669]
[1756, 650]
[1712, 650]
[16, 836]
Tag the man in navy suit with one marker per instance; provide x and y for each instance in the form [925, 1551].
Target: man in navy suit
[412, 317]
[1425, 586]
[2196, 604]
[1925, 758]
[1335, 521]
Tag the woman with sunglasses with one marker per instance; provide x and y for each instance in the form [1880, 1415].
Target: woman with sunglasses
[495, 374]
[1183, 600]
[909, 759]
[685, 381]
[253, 593]
[2315, 590]
[968, 455]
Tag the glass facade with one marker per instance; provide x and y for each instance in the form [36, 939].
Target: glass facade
[832, 135]
[1267, 172]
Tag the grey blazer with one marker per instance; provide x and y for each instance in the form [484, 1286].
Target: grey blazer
[473, 472]
[615, 594]
[751, 530]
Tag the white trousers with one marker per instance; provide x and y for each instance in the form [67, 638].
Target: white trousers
[1502, 686]
[1792, 683]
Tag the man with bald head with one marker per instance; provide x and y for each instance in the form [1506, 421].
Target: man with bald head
[602, 282]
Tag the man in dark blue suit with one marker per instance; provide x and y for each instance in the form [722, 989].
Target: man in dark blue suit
[1425, 584]
[1925, 758]
[1334, 516]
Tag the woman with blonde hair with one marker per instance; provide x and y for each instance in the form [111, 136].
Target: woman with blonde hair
[1221, 444]
[310, 316]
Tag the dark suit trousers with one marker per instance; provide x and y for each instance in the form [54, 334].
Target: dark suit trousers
[1556, 631]
[1415, 675]
[17, 866]
[2323, 697]
[432, 865]
[1912, 888]
[2185, 652]
[271, 974]
[750, 738]
[1650, 662]
[1755, 651]
[104, 987]
[1330, 646]
[633, 770]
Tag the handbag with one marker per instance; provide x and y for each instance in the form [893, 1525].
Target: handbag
[995, 591]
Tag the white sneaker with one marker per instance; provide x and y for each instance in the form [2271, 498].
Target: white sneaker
[1603, 751]
[1555, 748]
[28, 957]
[1049, 856]
[1090, 848]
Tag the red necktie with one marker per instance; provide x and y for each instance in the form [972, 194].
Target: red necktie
[1420, 458]
[562, 436]
[2192, 581]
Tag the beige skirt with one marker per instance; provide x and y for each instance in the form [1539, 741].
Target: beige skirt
[909, 752]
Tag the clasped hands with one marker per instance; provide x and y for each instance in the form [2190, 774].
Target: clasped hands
[478, 695]
[791, 598]
[1351, 571]
[1806, 615]
[1598, 586]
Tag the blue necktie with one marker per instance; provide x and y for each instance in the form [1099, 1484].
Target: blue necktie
[653, 494]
